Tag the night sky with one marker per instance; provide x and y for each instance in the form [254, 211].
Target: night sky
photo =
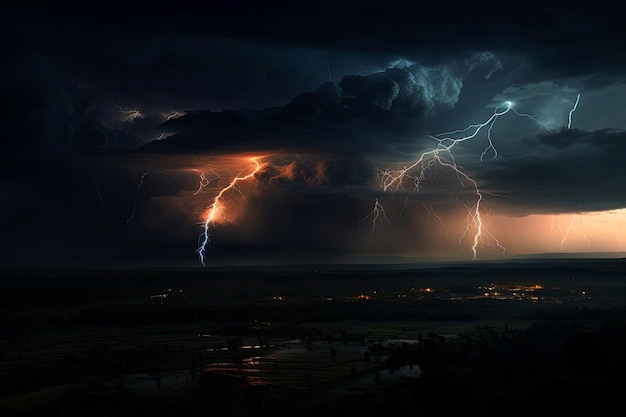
[376, 131]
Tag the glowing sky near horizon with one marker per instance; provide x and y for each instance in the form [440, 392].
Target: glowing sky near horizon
[441, 226]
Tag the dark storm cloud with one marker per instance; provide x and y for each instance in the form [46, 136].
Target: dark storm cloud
[45, 116]
[568, 38]
[362, 114]
[411, 91]
[187, 72]
[191, 57]
[91, 212]
[159, 221]
[565, 171]
[72, 75]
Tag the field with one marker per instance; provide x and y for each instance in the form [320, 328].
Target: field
[314, 341]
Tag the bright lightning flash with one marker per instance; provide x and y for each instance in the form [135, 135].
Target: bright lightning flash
[569, 117]
[442, 155]
[217, 210]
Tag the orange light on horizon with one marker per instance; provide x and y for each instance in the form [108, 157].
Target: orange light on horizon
[603, 231]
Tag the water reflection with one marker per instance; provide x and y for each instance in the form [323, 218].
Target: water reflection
[295, 364]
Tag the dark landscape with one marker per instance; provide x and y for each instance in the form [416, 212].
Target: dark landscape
[542, 337]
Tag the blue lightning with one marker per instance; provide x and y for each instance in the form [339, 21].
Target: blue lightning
[418, 171]
[569, 117]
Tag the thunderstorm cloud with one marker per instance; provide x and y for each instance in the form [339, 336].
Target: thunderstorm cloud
[121, 123]
[568, 170]
[362, 113]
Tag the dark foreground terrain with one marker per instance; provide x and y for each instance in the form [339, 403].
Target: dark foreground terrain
[516, 339]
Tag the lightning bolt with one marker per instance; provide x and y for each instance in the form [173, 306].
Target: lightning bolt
[553, 223]
[377, 213]
[217, 208]
[567, 231]
[136, 200]
[173, 116]
[571, 112]
[204, 181]
[583, 232]
[131, 114]
[161, 135]
[418, 171]
[533, 118]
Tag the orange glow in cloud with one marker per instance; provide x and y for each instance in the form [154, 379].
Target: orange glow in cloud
[217, 212]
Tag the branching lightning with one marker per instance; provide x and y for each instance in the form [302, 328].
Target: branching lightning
[411, 177]
[377, 215]
[566, 235]
[204, 181]
[217, 209]
[416, 172]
